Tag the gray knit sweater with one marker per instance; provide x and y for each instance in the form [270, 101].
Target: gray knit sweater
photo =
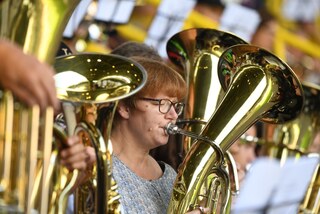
[140, 196]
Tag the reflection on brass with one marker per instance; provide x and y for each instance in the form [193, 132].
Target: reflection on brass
[28, 151]
[197, 52]
[258, 86]
[311, 201]
[96, 78]
[89, 86]
[294, 138]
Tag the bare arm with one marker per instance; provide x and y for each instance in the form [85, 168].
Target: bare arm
[30, 80]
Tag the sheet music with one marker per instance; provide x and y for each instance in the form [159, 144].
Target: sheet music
[274, 189]
[76, 18]
[169, 20]
[239, 20]
[302, 10]
[115, 11]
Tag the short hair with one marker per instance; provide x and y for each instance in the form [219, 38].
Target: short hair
[160, 78]
[131, 48]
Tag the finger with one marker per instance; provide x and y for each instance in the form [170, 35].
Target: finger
[24, 96]
[91, 155]
[77, 149]
[76, 165]
[34, 89]
[78, 157]
[206, 210]
[49, 87]
[73, 140]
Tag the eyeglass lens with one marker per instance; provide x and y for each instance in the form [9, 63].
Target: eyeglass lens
[165, 106]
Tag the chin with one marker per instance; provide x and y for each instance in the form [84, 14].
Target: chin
[162, 143]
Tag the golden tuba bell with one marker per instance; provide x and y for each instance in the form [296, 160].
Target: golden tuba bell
[258, 86]
[26, 137]
[89, 86]
[294, 138]
[197, 52]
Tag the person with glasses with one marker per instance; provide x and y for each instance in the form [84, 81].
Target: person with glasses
[244, 151]
[171, 153]
[144, 184]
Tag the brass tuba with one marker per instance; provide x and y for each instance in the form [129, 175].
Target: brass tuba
[89, 86]
[26, 137]
[259, 86]
[197, 52]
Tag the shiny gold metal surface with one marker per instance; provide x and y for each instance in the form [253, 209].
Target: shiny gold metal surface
[294, 138]
[224, 172]
[258, 86]
[25, 135]
[197, 52]
[36, 25]
[311, 201]
[92, 84]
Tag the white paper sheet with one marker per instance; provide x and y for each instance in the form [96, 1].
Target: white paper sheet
[270, 188]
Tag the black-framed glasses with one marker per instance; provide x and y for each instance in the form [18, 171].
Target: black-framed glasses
[166, 104]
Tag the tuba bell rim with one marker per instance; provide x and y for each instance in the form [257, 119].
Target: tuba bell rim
[239, 54]
[63, 63]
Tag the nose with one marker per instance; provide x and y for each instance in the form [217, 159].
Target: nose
[172, 114]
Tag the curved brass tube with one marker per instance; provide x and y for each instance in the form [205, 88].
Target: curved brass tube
[89, 86]
[197, 51]
[259, 86]
[26, 137]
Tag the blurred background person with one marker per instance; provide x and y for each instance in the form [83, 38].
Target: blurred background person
[244, 151]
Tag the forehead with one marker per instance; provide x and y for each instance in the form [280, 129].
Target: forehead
[162, 95]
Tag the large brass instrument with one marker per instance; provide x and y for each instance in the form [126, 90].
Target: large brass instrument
[197, 52]
[258, 86]
[26, 155]
[89, 86]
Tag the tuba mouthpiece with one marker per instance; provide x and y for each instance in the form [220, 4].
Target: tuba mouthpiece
[171, 129]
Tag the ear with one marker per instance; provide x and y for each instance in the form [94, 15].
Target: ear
[123, 110]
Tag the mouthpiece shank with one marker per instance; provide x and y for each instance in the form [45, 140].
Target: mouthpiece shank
[172, 129]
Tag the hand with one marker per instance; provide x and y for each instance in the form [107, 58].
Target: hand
[199, 210]
[30, 80]
[91, 156]
[75, 155]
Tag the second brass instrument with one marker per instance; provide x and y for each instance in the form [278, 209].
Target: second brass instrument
[89, 86]
[258, 86]
[197, 52]
[28, 150]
